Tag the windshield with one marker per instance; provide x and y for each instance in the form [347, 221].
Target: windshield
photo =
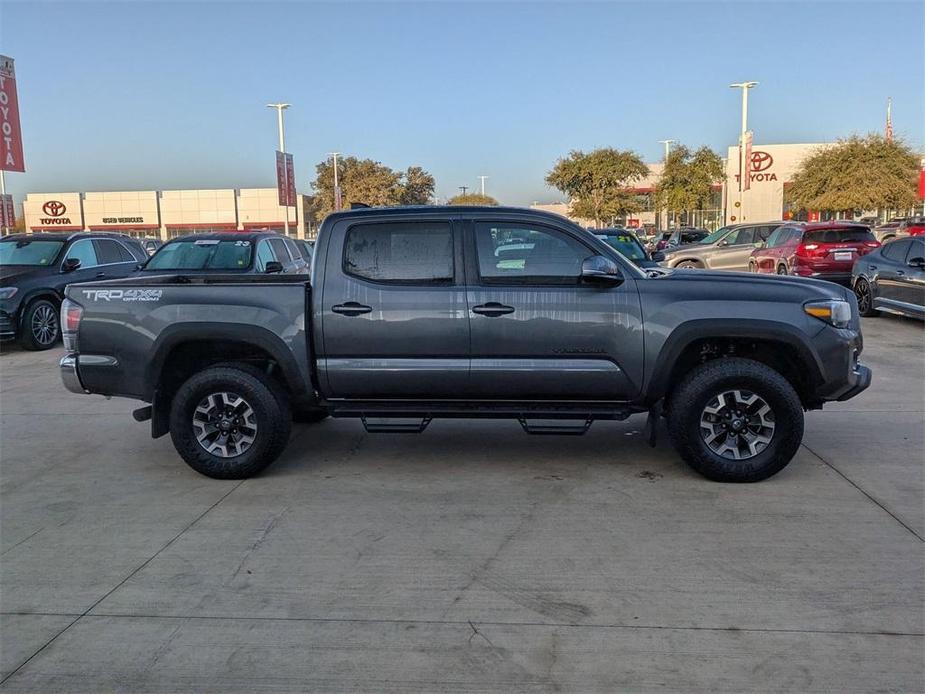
[202, 254]
[29, 252]
[625, 243]
[715, 236]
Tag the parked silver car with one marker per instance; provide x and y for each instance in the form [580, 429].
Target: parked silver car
[727, 248]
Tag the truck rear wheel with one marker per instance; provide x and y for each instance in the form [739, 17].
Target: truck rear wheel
[735, 420]
[230, 423]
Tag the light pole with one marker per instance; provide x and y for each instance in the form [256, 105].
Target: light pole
[743, 165]
[667, 144]
[482, 179]
[282, 147]
[337, 196]
[464, 189]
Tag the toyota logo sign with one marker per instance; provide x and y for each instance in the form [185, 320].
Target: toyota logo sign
[54, 208]
[761, 161]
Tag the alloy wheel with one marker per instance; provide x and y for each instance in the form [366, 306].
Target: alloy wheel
[737, 424]
[45, 325]
[862, 292]
[225, 424]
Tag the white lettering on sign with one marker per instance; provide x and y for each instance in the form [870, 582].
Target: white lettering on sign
[123, 220]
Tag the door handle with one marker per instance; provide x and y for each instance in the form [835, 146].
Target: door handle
[100, 275]
[351, 308]
[872, 267]
[900, 272]
[492, 309]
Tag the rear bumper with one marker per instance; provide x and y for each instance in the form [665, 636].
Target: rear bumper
[69, 375]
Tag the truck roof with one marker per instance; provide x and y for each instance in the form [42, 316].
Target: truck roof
[446, 210]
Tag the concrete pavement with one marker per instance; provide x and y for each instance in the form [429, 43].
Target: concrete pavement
[470, 558]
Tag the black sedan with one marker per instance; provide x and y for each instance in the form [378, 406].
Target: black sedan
[630, 246]
[892, 278]
[35, 268]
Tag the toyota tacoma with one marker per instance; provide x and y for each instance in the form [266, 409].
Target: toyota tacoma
[410, 314]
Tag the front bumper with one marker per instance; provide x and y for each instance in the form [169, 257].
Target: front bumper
[7, 326]
[69, 374]
[861, 377]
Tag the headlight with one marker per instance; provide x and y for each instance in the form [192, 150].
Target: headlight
[834, 312]
[8, 292]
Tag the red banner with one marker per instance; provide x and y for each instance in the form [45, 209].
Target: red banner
[290, 181]
[7, 211]
[281, 177]
[11, 158]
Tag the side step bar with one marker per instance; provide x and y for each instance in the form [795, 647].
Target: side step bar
[560, 429]
[385, 427]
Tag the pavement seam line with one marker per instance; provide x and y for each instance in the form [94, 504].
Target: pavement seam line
[869, 496]
[470, 623]
[124, 580]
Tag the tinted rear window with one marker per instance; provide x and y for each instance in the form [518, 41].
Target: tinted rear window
[843, 235]
[202, 254]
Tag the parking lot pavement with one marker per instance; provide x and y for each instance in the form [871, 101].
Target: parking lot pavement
[470, 558]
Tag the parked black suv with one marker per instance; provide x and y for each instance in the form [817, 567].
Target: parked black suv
[35, 268]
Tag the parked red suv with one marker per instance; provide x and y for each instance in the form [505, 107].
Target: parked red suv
[824, 250]
[914, 226]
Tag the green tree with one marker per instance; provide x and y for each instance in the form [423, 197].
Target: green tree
[417, 186]
[858, 173]
[598, 183]
[687, 180]
[371, 183]
[473, 199]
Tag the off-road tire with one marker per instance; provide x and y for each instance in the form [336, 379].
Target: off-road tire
[701, 385]
[27, 338]
[271, 409]
[861, 287]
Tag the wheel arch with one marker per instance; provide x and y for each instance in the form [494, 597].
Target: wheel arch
[775, 344]
[182, 350]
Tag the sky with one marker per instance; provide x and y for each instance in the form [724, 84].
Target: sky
[151, 95]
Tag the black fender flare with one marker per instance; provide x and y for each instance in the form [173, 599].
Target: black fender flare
[255, 336]
[718, 328]
[176, 335]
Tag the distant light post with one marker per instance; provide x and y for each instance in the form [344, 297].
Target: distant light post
[743, 165]
[482, 179]
[464, 189]
[667, 144]
[282, 146]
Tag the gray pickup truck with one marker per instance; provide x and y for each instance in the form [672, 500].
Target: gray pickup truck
[416, 313]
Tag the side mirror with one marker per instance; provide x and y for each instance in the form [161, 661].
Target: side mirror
[658, 256]
[273, 266]
[724, 242]
[918, 262]
[70, 264]
[601, 270]
[760, 244]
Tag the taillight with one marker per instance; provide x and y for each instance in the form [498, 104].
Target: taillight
[872, 244]
[804, 250]
[71, 313]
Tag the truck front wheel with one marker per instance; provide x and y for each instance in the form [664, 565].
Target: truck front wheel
[229, 423]
[735, 420]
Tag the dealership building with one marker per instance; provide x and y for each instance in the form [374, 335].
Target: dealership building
[165, 214]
